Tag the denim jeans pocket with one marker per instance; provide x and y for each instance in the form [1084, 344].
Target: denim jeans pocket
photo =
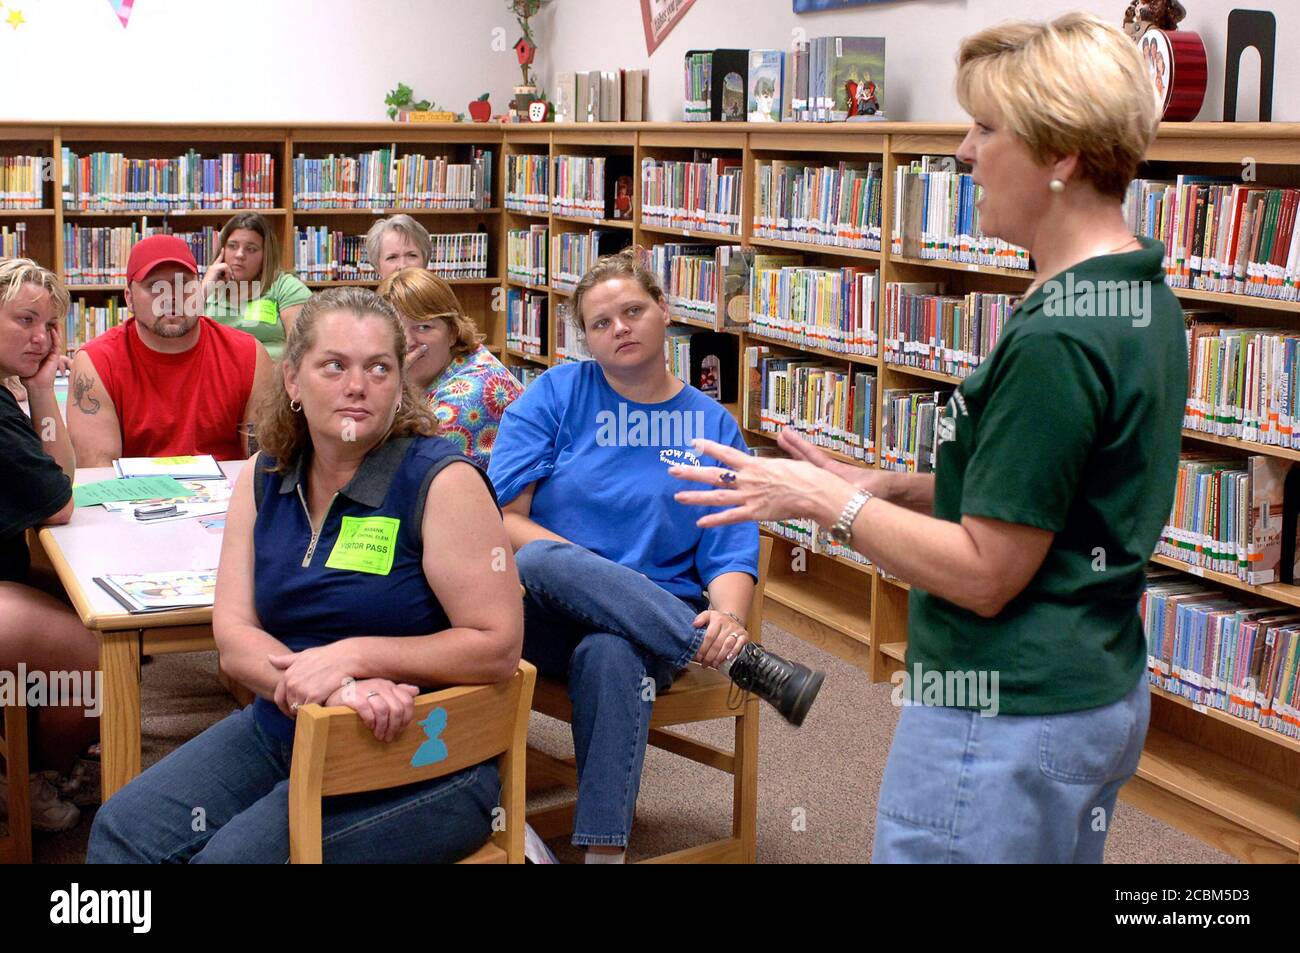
[1086, 747]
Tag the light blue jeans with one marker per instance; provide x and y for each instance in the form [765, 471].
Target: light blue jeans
[223, 797]
[962, 788]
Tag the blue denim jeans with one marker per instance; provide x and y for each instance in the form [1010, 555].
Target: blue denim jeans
[962, 788]
[223, 797]
[610, 632]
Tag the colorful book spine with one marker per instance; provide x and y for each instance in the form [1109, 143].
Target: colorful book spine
[813, 537]
[85, 322]
[935, 217]
[839, 206]
[1220, 653]
[579, 186]
[112, 182]
[528, 184]
[13, 241]
[909, 428]
[526, 254]
[22, 181]
[835, 309]
[697, 196]
[833, 407]
[950, 334]
[525, 321]
[381, 179]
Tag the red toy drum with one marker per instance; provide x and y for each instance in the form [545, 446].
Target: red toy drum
[1176, 61]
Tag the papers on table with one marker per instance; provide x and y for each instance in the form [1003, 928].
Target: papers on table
[159, 591]
[181, 468]
[116, 491]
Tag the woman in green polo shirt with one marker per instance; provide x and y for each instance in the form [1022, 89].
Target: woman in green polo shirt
[1025, 690]
[246, 288]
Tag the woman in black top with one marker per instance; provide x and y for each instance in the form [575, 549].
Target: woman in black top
[37, 631]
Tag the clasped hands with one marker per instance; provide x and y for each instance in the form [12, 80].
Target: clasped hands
[323, 676]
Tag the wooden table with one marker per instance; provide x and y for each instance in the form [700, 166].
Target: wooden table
[96, 543]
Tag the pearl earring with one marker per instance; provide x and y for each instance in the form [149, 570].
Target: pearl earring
[1057, 186]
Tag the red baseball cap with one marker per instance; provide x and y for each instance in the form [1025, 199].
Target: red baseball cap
[156, 250]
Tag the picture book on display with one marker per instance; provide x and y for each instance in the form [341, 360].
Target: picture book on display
[180, 468]
[766, 74]
[159, 591]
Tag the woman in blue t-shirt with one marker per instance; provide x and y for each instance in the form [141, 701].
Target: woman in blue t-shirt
[615, 570]
[306, 614]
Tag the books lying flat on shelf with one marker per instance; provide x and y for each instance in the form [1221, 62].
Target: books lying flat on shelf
[110, 182]
[528, 182]
[935, 217]
[22, 181]
[701, 195]
[525, 321]
[1221, 235]
[831, 308]
[909, 429]
[199, 467]
[1221, 653]
[799, 201]
[1227, 516]
[526, 254]
[382, 179]
[833, 406]
[950, 334]
[159, 591]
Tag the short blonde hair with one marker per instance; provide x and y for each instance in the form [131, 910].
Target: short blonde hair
[403, 225]
[420, 295]
[16, 272]
[1076, 85]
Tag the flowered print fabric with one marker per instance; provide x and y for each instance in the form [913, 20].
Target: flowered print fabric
[468, 398]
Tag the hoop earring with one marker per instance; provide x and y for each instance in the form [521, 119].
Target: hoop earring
[295, 406]
[1057, 186]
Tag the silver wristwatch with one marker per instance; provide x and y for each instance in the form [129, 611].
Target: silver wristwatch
[842, 531]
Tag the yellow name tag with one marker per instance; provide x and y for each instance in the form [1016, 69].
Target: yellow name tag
[365, 544]
[261, 311]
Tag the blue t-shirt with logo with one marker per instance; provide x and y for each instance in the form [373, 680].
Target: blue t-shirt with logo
[600, 462]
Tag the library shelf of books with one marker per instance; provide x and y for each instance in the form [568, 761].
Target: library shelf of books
[820, 276]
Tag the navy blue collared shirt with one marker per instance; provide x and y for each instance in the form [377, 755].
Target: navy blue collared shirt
[363, 574]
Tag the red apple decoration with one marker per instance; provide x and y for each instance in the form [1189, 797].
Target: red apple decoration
[480, 110]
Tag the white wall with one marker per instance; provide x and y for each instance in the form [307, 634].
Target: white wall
[922, 37]
[251, 60]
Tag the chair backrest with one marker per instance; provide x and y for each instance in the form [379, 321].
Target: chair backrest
[754, 619]
[335, 753]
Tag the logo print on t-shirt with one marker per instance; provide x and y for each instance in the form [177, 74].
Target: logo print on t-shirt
[683, 458]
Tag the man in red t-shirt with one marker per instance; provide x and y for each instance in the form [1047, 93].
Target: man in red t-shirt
[168, 382]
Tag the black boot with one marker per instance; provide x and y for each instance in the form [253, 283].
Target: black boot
[789, 687]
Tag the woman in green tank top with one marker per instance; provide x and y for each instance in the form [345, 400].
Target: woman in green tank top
[245, 287]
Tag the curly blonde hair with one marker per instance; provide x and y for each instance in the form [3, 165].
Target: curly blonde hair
[281, 431]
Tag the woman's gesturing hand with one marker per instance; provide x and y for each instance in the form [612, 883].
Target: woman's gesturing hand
[761, 488]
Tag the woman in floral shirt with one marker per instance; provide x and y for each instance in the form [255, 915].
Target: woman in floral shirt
[466, 386]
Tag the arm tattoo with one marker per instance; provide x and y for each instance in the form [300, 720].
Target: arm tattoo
[81, 395]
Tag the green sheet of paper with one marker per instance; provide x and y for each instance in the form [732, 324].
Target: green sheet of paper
[124, 491]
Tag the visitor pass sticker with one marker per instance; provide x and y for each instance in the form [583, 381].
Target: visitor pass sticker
[365, 544]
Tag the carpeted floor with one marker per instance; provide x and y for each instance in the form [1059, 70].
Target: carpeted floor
[817, 784]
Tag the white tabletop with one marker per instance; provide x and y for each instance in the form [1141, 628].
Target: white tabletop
[97, 542]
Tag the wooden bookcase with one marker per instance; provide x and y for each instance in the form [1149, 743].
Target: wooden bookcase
[1225, 780]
